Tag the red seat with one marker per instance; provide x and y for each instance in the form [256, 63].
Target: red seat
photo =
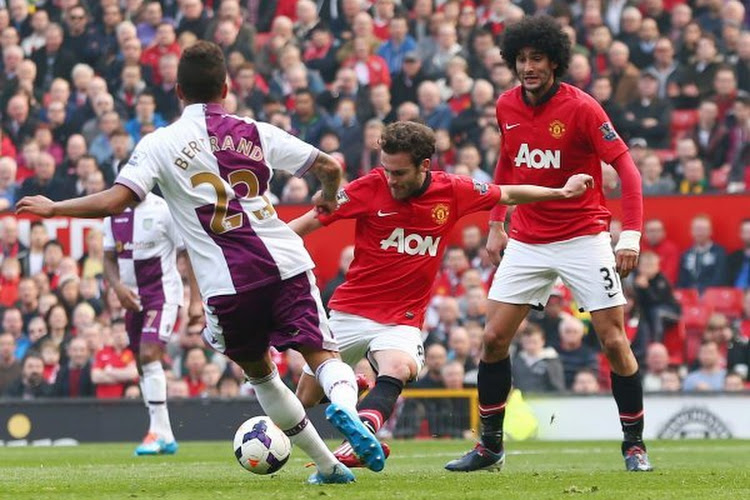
[745, 328]
[683, 120]
[675, 342]
[695, 318]
[605, 382]
[686, 296]
[723, 299]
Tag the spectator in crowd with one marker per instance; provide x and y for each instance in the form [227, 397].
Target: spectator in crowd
[704, 263]
[448, 317]
[698, 78]
[53, 60]
[657, 363]
[445, 48]
[448, 282]
[146, 118]
[459, 348]
[469, 123]
[33, 262]
[585, 382]
[734, 382]
[398, 44]
[574, 354]
[648, 116]
[30, 384]
[371, 69]
[114, 365]
[195, 361]
[28, 300]
[653, 183]
[43, 181]
[738, 155]
[210, 376]
[8, 186]
[643, 52]
[733, 347]
[449, 417]
[35, 40]
[230, 10]
[710, 375]
[380, 100]
[50, 353]
[10, 277]
[671, 381]
[407, 80]
[658, 307]
[712, 140]
[537, 368]
[13, 324]
[10, 366]
[193, 17]
[19, 124]
[436, 356]
[623, 74]
[666, 68]
[738, 262]
[686, 149]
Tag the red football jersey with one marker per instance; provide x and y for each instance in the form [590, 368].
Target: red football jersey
[544, 145]
[399, 245]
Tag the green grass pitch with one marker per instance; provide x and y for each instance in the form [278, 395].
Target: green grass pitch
[712, 470]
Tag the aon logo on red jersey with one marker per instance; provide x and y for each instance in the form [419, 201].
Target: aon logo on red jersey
[411, 244]
[537, 158]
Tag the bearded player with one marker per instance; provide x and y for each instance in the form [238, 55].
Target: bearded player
[551, 130]
[404, 213]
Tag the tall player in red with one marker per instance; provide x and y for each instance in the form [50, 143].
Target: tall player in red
[551, 130]
[404, 212]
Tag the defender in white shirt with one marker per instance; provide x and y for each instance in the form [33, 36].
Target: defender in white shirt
[252, 269]
[140, 264]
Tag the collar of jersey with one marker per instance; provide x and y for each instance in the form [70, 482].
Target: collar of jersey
[546, 97]
[425, 186]
[201, 108]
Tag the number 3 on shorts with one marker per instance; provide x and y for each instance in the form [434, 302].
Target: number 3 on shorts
[611, 277]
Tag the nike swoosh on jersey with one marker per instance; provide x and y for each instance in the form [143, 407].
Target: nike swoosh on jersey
[509, 126]
[385, 214]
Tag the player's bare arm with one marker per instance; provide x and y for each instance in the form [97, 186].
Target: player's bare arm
[497, 240]
[328, 171]
[127, 297]
[629, 244]
[110, 202]
[306, 223]
[518, 194]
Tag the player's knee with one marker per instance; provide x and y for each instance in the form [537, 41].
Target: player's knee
[403, 371]
[496, 341]
[148, 353]
[615, 343]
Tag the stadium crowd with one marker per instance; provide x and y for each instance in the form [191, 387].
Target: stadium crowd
[82, 82]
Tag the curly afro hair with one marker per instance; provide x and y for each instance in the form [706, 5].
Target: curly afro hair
[542, 33]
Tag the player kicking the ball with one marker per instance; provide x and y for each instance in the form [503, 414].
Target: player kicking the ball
[404, 212]
[253, 271]
[549, 131]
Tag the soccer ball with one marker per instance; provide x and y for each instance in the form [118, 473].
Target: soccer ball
[260, 446]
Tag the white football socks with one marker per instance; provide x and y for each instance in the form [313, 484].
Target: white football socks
[338, 382]
[286, 411]
[154, 387]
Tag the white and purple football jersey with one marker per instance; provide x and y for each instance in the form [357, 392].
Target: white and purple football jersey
[146, 241]
[214, 169]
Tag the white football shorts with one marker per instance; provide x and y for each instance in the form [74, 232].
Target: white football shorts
[585, 264]
[359, 337]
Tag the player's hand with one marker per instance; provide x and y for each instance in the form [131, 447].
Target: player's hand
[496, 241]
[36, 205]
[577, 185]
[128, 298]
[626, 261]
[322, 205]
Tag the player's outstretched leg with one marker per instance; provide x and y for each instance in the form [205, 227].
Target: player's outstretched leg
[628, 394]
[374, 410]
[286, 411]
[339, 384]
[493, 384]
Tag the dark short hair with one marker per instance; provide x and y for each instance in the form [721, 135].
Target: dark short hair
[409, 137]
[202, 72]
[542, 33]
